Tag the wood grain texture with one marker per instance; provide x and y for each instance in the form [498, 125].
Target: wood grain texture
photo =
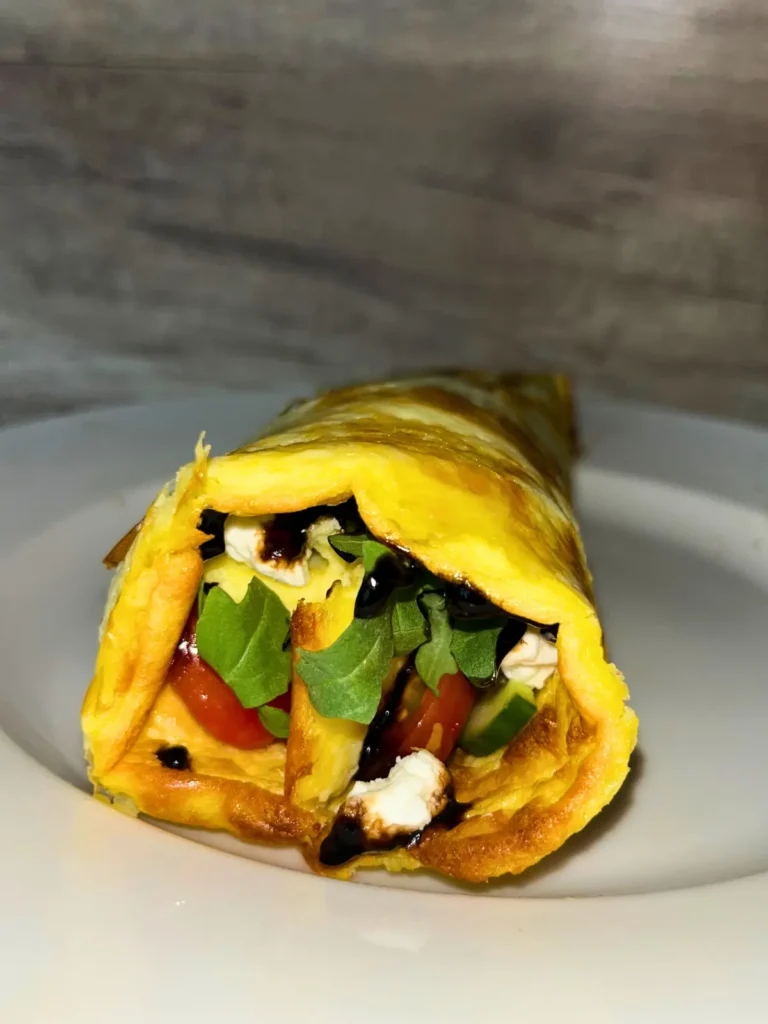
[197, 195]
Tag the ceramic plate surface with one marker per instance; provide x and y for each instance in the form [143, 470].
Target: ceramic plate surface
[658, 910]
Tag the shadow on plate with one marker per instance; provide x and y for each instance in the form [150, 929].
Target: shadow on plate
[28, 737]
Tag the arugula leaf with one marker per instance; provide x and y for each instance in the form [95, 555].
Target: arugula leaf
[409, 627]
[244, 642]
[372, 552]
[275, 720]
[359, 545]
[434, 658]
[344, 680]
[348, 543]
[202, 593]
[474, 646]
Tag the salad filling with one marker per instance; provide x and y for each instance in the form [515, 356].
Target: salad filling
[429, 666]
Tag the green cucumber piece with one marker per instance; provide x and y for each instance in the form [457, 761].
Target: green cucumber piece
[497, 717]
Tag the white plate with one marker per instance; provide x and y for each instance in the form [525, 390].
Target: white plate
[106, 919]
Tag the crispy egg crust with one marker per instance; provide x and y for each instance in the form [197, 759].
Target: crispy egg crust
[470, 473]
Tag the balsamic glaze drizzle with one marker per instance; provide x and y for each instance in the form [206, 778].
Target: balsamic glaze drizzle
[375, 762]
[450, 816]
[285, 535]
[376, 589]
[212, 522]
[174, 757]
[511, 635]
[464, 602]
[347, 840]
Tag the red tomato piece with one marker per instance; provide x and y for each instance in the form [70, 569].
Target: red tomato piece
[425, 721]
[212, 703]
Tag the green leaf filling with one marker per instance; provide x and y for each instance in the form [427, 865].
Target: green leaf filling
[434, 659]
[360, 545]
[409, 627]
[275, 720]
[348, 543]
[345, 679]
[243, 642]
[474, 647]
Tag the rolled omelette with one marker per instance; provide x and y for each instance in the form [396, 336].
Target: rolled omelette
[369, 632]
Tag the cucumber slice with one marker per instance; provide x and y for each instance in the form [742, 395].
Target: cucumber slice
[497, 717]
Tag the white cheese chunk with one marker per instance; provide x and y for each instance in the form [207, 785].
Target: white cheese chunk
[319, 532]
[244, 542]
[405, 801]
[532, 660]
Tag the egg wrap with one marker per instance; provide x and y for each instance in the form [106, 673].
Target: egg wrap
[470, 474]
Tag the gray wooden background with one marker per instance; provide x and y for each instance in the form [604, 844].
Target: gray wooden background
[199, 194]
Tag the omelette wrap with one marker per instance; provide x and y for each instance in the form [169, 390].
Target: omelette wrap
[369, 632]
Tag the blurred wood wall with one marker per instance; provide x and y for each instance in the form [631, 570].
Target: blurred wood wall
[198, 194]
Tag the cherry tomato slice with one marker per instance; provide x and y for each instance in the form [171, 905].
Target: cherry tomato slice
[425, 721]
[211, 702]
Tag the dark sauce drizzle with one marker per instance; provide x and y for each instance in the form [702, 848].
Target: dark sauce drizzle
[511, 635]
[286, 535]
[174, 757]
[375, 762]
[450, 816]
[389, 573]
[212, 522]
[464, 602]
[346, 515]
[347, 840]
